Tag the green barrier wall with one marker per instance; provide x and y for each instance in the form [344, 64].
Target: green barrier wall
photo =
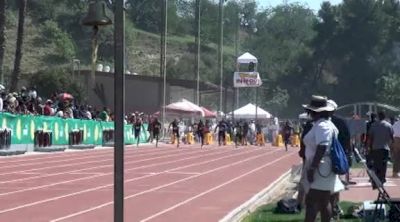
[24, 127]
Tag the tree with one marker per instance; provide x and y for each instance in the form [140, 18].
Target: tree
[2, 37]
[388, 89]
[18, 51]
[282, 46]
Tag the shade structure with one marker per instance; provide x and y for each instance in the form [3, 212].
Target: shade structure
[184, 108]
[208, 113]
[249, 112]
[65, 96]
[247, 58]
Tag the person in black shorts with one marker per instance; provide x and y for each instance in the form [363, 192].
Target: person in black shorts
[156, 127]
[222, 127]
[239, 133]
[175, 130]
[287, 133]
[200, 132]
[245, 133]
[137, 128]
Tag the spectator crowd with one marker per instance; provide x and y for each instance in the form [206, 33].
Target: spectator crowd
[28, 102]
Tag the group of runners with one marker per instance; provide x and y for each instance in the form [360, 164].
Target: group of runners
[238, 132]
[241, 133]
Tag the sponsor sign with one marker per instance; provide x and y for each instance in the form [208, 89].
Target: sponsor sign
[246, 79]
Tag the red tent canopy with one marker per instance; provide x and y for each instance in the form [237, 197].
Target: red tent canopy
[208, 113]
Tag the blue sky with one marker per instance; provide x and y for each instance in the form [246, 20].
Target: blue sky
[313, 4]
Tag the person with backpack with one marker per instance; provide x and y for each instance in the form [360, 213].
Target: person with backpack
[321, 181]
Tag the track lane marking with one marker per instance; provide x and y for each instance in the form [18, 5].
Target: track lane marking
[92, 168]
[161, 186]
[105, 174]
[213, 189]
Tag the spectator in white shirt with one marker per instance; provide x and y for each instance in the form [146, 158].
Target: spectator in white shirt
[395, 149]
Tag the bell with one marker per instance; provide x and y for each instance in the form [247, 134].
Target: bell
[96, 15]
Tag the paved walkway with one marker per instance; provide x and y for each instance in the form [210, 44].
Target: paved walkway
[363, 191]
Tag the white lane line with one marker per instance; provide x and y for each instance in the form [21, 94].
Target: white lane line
[69, 159]
[159, 187]
[79, 163]
[55, 161]
[28, 173]
[46, 156]
[84, 173]
[183, 173]
[97, 150]
[105, 174]
[213, 189]
[92, 168]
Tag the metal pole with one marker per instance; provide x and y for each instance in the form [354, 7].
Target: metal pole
[119, 108]
[237, 51]
[220, 50]
[163, 65]
[95, 46]
[198, 10]
[73, 69]
[256, 104]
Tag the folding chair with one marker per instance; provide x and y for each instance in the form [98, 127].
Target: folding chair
[383, 196]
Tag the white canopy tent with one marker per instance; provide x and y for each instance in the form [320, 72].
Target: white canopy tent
[246, 58]
[249, 112]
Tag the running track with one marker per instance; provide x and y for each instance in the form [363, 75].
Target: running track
[161, 184]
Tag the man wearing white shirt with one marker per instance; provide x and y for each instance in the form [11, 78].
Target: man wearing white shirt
[395, 149]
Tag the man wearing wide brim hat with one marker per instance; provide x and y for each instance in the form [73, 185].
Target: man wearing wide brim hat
[320, 182]
[319, 104]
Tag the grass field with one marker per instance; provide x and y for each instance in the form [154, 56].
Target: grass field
[266, 214]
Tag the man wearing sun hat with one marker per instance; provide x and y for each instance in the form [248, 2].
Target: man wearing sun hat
[321, 183]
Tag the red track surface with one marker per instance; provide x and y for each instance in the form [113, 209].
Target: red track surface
[161, 184]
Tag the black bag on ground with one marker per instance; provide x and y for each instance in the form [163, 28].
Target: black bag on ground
[287, 206]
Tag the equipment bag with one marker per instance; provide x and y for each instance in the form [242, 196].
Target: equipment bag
[287, 206]
[340, 165]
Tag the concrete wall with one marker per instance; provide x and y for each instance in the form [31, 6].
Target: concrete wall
[141, 94]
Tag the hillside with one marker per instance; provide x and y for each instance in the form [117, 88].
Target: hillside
[142, 50]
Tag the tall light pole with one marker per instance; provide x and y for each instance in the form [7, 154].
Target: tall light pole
[119, 109]
[220, 50]
[237, 47]
[163, 62]
[198, 10]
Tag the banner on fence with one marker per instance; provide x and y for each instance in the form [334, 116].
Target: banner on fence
[23, 129]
